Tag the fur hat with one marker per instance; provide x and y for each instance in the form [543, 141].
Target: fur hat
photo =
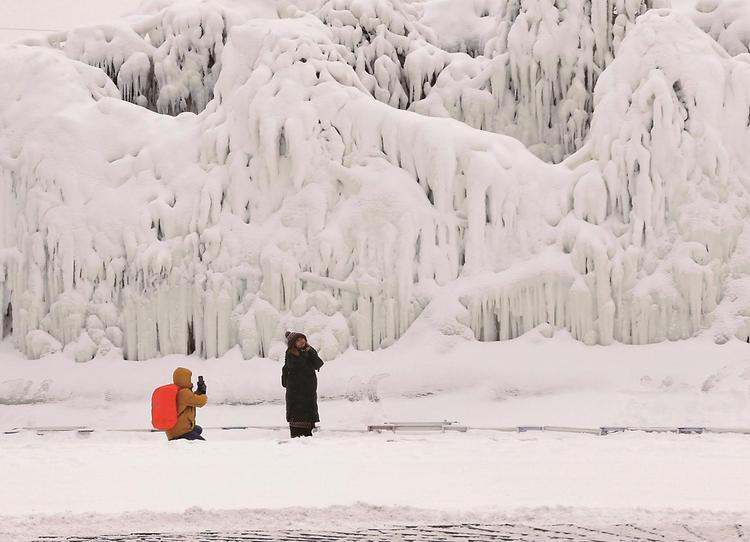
[291, 338]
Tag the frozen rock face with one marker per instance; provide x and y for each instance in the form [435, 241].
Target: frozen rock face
[657, 230]
[531, 73]
[305, 194]
[169, 66]
[526, 69]
[169, 57]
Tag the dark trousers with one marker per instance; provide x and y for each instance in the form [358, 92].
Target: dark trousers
[195, 434]
[298, 430]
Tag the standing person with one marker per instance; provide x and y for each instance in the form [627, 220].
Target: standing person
[301, 383]
[187, 402]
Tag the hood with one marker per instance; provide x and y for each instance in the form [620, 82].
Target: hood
[183, 377]
[291, 337]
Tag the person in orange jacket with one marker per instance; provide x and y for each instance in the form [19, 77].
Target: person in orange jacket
[187, 402]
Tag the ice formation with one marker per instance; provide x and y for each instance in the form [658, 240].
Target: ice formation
[206, 174]
[536, 75]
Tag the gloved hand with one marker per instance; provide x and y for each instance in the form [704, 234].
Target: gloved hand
[201, 388]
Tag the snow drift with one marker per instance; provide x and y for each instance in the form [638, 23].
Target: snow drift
[206, 174]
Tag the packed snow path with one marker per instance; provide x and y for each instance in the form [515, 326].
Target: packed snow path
[62, 473]
[447, 533]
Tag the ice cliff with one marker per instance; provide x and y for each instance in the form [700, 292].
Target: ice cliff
[206, 174]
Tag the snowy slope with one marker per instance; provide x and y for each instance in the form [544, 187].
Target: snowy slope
[206, 174]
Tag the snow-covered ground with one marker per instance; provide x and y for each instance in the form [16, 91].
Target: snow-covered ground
[448, 472]
[527, 381]
[119, 481]
[122, 483]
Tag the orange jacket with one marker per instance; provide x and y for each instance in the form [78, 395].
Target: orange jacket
[187, 401]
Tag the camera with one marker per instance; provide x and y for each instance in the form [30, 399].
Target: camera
[201, 388]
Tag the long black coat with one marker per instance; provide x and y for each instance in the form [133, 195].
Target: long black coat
[301, 383]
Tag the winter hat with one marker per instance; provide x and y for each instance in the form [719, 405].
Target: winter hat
[291, 338]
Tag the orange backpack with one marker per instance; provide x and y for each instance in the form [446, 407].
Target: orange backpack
[164, 407]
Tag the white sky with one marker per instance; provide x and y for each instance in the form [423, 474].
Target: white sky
[56, 14]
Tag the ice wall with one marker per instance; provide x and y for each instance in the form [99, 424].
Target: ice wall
[533, 76]
[304, 196]
[166, 58]
[657, 229]
[726, 21]
[525, 69]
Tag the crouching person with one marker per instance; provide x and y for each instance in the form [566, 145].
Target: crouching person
[187, 402]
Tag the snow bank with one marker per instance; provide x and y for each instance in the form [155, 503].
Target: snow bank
[302, 195]
[528, 381]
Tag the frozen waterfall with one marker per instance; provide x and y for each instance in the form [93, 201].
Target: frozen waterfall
[204, 175]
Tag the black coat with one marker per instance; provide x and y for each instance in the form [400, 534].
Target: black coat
[301, 383]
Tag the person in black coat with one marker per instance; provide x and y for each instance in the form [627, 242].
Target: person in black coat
[301, 383]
